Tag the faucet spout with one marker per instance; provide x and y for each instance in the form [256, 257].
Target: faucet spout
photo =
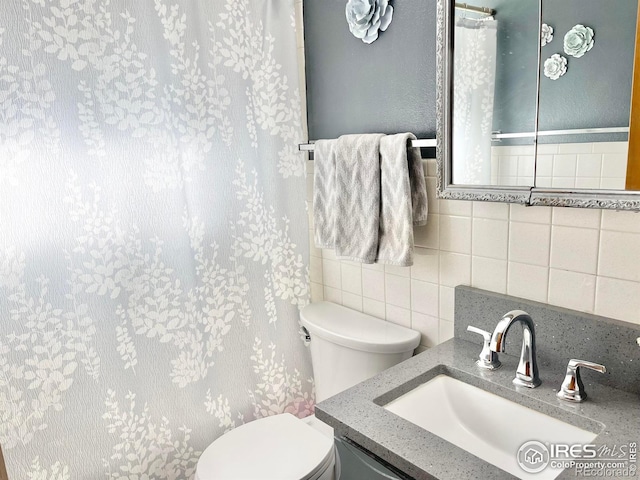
[527, 371]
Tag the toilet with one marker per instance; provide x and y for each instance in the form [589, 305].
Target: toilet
[347, 347]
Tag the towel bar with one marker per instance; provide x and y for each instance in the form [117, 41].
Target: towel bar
[422, 142]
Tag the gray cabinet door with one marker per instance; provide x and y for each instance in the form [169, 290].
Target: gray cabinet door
[358, 464]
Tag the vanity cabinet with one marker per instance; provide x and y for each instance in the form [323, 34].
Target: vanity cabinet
[356, 463]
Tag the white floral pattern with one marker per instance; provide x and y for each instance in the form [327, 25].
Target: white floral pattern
[247, 49]
[146, 448]
[26, 98]
[57, 471]
[42, 347]
[153, 249]
[221, 409]
[277, 390]
[474, 76]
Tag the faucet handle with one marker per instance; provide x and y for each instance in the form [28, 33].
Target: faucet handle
[487, 359]
[572, 389]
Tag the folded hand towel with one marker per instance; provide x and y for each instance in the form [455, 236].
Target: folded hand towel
[357, 197]
[324, 192]
[403, 200]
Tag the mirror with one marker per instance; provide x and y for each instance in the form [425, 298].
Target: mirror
[594, 95]
[495, 65]
[540, 121]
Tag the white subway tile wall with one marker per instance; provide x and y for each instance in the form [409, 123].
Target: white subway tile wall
[562, 165]
[512, 165]
[586, 260]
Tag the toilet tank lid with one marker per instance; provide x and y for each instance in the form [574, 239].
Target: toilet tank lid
[357, 330]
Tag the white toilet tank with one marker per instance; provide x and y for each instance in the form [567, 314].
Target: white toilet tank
[348, 347]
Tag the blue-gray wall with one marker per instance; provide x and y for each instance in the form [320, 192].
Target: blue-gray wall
[596, 90]
[514, 104]
[388, 86]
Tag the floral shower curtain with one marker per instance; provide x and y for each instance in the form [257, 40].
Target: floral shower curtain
[474, 73]
[152, 240]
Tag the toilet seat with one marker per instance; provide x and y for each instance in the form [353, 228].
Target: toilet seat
[280, 447]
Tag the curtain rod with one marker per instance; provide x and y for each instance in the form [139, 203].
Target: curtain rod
[421, 142]
[471, 8]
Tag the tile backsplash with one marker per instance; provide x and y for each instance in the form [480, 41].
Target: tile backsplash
[560, 334]
[582, 259]
[600, 165]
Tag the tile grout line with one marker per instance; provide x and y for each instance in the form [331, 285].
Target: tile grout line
[595, 287]
[438, 275]
[506, 287]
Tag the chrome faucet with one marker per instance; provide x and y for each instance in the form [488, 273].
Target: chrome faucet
[487, 359]
[572, 389]
[527, 371]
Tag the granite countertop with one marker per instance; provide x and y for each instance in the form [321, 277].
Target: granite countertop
[358, 415]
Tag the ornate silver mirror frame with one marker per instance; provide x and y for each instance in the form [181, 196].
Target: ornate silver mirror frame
[583, 198]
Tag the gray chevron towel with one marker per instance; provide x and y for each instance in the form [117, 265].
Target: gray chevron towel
[403, 199]
[369, 192]
[357, 197]
[324, 193]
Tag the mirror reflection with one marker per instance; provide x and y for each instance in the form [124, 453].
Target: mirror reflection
[572, 77]
[590, 95]
[494, 92]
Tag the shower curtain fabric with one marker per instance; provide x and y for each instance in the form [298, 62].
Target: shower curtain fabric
[474, 74]
[153, 239]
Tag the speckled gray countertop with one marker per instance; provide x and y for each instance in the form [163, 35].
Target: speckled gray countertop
[358, 412]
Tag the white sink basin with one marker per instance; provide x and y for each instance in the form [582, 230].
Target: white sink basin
[485, 425]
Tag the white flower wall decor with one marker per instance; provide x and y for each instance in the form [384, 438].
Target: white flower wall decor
[578, 41]
[546, 34]
[367, 17]
[555, 66]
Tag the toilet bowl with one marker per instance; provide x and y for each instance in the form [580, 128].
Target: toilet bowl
[283, 447]
[280, 447]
